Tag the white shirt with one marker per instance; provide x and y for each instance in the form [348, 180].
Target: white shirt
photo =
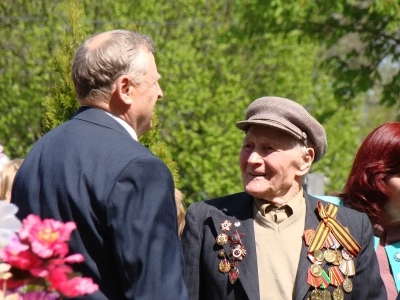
[128, 128]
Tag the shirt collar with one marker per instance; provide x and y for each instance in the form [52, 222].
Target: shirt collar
[128, 128]
[291, 207]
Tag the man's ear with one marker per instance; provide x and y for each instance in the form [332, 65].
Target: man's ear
[308, 159]
[124, 89]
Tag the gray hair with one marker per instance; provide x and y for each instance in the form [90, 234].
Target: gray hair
[96, 68]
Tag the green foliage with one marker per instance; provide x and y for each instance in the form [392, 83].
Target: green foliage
[153, 141]
[360, 36]
[215, 58]
[61, 103]
[25, 50]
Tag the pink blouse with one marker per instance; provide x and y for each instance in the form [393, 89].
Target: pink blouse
[387, 235]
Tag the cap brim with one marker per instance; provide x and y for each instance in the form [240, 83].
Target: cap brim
[244, 125]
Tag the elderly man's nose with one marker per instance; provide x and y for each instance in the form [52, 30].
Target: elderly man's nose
[254, 158]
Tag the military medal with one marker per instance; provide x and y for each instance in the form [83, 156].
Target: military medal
[347, 285]
[222, 239]
[316, 270]
[330, 241]
[221, 253]
[346, 255]
[224, 266]
[347, 267]
[312, 280]
[229, 260]
[238, 252]
[338, 258]
[335, 276]
[225, 225]
[319, 255]
[340, 247]
[325, 279]
[316, 295]
[233, 274]
[338, 294]
[326, 295]
[308, 236]
[236, 238]
[330, 255]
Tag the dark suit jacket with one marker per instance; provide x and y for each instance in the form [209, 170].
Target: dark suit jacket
[91, 171]
[204, 281]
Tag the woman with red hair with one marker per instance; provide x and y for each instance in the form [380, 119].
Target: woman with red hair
[373, 187]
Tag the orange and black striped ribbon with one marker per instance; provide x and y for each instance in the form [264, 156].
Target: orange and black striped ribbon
[329, 223]
[322, 231]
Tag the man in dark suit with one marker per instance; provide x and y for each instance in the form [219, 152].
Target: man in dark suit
[274, 241]
[93, 171]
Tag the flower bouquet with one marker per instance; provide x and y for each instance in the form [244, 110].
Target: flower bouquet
[33, 259]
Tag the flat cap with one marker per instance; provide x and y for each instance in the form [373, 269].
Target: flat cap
[290, 117]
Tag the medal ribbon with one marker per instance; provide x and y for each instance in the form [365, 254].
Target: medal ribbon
[330, 241]
[325, 279]
[336, 276]
[329, 223]
[322, 231]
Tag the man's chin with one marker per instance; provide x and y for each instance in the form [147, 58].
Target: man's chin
[256, 192]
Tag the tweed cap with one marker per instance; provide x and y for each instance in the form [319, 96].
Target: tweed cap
[290, 117]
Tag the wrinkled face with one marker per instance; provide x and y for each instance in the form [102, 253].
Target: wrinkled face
[270, 163]
[146, 94]
[393, 206]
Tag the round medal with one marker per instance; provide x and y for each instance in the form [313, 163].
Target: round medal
[318, 255]
[338, 258]
[316, 270]
[222, 239]
[326, 295]
[346, 255]
[338, 294]
[330, 255]
[237, 253]
[316, 295]
[347, 285]
[224, 266]
[221, 253]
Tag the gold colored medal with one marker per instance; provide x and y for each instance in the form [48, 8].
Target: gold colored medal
[347, 285]
[326, 295]
[316, 295]
[338, 258]
[338, 294]
[316, 270]
[318, 255]
[224, 266]
[330, 255]
[222, 239]
[221, 253]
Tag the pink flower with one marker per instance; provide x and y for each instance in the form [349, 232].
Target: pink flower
[48, 237]
[56, 263]
[73, 287]
[23, 260]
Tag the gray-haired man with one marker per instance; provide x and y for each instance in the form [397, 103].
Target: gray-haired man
[92, 170]
[274, 241]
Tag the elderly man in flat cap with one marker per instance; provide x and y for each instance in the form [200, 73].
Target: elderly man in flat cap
[274, 241]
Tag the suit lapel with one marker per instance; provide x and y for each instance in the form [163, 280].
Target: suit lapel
[242, 213]
[312, 221]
